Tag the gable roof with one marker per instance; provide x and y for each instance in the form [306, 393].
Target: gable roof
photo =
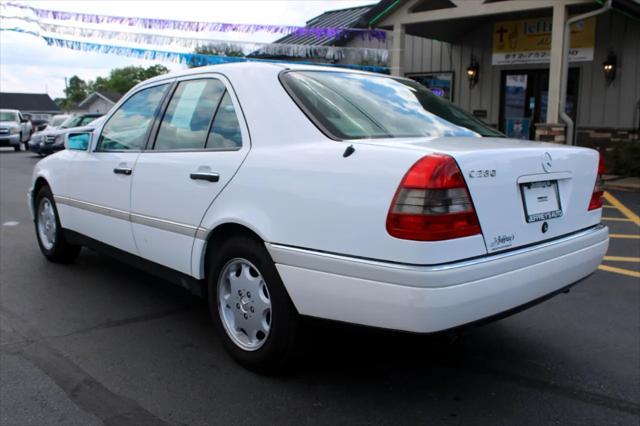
[341, 18]
[28, 102]
[112, 97]
[379, 10]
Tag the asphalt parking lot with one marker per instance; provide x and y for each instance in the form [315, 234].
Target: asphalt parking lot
[98, 342]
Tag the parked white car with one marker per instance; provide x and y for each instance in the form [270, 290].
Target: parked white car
[285, 190]
[14, 128]
[52, 139]
[58, 119]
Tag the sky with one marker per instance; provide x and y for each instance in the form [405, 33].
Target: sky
[28, 64]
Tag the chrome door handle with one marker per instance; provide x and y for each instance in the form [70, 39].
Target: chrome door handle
[210, 177]
[122, 171]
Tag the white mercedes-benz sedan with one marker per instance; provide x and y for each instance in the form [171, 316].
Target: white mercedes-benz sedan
[278, 191]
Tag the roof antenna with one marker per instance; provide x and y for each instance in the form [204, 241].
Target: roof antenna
[350, 150]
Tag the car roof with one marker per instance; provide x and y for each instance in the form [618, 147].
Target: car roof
[251, 65]
[9, 110]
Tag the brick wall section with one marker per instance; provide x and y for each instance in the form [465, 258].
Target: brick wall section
[620, 148]
[550, 132]
[603, 137]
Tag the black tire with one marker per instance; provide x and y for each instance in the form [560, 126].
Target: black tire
[281, 346]
[61, 251]
[16, 148]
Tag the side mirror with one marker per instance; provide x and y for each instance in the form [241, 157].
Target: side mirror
[24, 120]
[78, 141]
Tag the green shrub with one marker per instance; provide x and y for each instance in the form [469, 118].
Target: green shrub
[624, 159]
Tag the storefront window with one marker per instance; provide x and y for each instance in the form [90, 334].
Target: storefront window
[440, 84]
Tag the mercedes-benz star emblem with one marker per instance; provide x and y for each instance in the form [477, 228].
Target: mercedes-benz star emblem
[547, 162]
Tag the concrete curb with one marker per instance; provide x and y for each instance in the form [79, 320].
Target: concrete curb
[621, 187]
[621, 183]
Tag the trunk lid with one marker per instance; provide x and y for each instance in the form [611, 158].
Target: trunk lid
[523, 192]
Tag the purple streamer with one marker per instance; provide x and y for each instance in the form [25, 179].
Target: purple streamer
[196, 26]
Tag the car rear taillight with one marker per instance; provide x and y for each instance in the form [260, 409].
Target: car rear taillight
[596, 197]
[432, 203]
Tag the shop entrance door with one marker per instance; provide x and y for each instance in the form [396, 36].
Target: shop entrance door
[524, 100]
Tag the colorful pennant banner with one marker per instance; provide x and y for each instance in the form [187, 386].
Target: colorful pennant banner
[199, 26]
[192, 59]
[330, 53]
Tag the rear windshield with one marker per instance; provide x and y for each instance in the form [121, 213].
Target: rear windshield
[361, 106]
[78, 121]
[56, 121]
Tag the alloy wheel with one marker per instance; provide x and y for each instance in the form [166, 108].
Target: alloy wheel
[47, 223]
[244, 304]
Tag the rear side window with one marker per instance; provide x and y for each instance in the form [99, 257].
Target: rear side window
[186, 122]
[129, 126]
[225, 130]
[355, 106]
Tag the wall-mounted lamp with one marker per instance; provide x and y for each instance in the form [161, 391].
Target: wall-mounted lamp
[473, 71]
[609, 67]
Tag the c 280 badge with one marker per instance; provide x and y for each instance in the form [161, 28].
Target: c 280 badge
[482, 173]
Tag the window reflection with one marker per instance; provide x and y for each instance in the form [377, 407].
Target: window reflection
[353, 106]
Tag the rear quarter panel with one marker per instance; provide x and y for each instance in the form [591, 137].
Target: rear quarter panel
[308, 195]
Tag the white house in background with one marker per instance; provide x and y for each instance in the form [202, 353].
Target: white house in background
[39, 105]
[99, 102]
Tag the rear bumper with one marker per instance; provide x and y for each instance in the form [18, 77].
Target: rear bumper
[428, 299]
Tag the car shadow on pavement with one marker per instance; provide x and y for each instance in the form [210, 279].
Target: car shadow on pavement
[491, 364]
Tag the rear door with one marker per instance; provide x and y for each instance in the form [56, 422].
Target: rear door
[97, 199]
[193, 153]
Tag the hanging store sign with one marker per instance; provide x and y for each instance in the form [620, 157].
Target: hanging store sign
[528, 41]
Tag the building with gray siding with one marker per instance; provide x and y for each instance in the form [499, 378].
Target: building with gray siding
[601, 109]
[522, 95]
[514, 50]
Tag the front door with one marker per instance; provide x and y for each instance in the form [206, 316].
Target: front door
[197, 148]
[99, 199]
[524, 100]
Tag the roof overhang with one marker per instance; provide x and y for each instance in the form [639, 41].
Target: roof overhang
[630, 8]
[449, 24]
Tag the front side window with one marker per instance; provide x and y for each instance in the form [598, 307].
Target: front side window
[185, 124]
[361, 106]
[129, 126]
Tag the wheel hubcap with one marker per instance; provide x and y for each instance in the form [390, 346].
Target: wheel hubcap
[244, 304]
[47, 223]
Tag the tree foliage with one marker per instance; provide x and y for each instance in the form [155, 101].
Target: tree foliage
[76, 89]
[226, 50]
[120, 80]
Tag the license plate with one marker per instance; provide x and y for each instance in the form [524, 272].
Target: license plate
[541, 200]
